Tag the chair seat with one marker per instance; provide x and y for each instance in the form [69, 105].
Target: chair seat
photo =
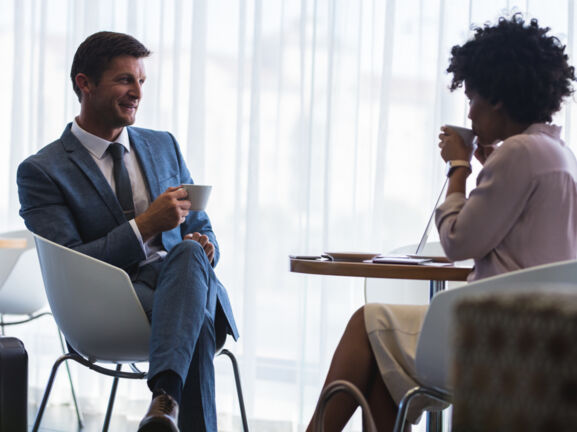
[435, 350]
[94, 305]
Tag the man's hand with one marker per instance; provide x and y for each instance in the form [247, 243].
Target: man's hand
[166, 212]
[204, 242]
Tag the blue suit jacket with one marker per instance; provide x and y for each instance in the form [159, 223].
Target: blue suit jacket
[65, 198]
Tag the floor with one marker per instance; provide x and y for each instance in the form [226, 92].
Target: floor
[63, 419]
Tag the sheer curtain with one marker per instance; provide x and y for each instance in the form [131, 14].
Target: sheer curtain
[314, 120]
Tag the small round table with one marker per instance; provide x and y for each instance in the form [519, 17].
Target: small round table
[437, 274]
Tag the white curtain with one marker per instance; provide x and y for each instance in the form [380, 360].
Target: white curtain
[314, 120]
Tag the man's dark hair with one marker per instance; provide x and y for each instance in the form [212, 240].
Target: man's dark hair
[517, 65]
[95, 53]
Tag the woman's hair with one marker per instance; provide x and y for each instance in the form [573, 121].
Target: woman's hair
[517, 65]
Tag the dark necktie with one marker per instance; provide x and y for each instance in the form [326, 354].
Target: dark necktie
[122, 180]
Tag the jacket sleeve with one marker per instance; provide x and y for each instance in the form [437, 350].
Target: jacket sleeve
[49, 210]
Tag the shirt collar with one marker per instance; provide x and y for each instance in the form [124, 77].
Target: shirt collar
[545, 128]
[96, 145]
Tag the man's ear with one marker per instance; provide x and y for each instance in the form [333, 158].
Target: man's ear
[84, 83]
[498, 106]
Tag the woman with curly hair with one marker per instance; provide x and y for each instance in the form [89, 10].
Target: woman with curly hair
[522, 213]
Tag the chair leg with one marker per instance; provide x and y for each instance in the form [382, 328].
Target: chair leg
[403, 407]
[333, 388]
[47, 391]
[111, 400]
[74, 400]
[435, 421]
[238, 387]
[436, 426]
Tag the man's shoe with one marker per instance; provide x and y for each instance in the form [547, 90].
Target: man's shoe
[162, 415]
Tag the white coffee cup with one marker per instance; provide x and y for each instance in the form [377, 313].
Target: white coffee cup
[197, 195]
[467, 134]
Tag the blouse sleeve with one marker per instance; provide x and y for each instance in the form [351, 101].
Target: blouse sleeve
[471, 228]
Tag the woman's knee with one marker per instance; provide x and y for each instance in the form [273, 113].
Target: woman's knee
[357, 321]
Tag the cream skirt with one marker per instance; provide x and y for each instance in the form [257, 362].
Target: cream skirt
[393, 332]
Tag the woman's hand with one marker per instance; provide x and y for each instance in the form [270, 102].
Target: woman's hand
[453, 147]
[483, 151]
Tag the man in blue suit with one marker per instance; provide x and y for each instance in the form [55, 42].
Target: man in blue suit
[113, 192]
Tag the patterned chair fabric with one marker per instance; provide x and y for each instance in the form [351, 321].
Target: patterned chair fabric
[516, 364]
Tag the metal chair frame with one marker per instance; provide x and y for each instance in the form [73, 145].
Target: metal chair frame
[343, 386]
[117, 374]
[434, 422]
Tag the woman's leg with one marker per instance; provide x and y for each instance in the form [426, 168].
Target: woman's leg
[353, 361]
[382, 405]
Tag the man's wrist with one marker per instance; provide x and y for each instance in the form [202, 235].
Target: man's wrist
[143, 227]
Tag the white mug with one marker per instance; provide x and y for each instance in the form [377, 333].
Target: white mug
[197, 195]
[467, 134]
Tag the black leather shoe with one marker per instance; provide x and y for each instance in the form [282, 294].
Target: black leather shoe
[162, 415]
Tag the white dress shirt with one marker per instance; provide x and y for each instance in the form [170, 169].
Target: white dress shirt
[97, 147]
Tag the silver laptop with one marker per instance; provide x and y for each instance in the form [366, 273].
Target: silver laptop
[425, 235]
[416, 258]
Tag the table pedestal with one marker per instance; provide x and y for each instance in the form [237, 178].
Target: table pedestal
[435, 419]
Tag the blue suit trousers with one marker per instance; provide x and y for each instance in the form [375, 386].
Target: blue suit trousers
[179, 295]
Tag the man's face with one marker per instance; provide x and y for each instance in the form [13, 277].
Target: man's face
[114, 101]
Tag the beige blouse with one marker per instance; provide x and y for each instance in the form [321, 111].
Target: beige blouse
[523, 211]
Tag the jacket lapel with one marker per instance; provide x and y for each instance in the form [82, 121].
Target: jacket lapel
[147, 162]
[81, 158]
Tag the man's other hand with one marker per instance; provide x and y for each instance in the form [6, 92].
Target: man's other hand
[204, 242]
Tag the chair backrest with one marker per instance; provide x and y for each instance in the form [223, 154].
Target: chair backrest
[403, 291]
[94, 305]
[21, 287]
[435, 347]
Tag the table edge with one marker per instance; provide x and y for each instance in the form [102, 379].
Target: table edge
[373, 270]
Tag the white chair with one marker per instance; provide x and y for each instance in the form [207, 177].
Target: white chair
[21, 287]
[22, 290]
[435, 350]
[100, 316]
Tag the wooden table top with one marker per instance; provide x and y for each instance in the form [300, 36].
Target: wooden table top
[373, 270]
[12, 243]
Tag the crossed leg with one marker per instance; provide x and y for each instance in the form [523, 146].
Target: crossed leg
[354, 361]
